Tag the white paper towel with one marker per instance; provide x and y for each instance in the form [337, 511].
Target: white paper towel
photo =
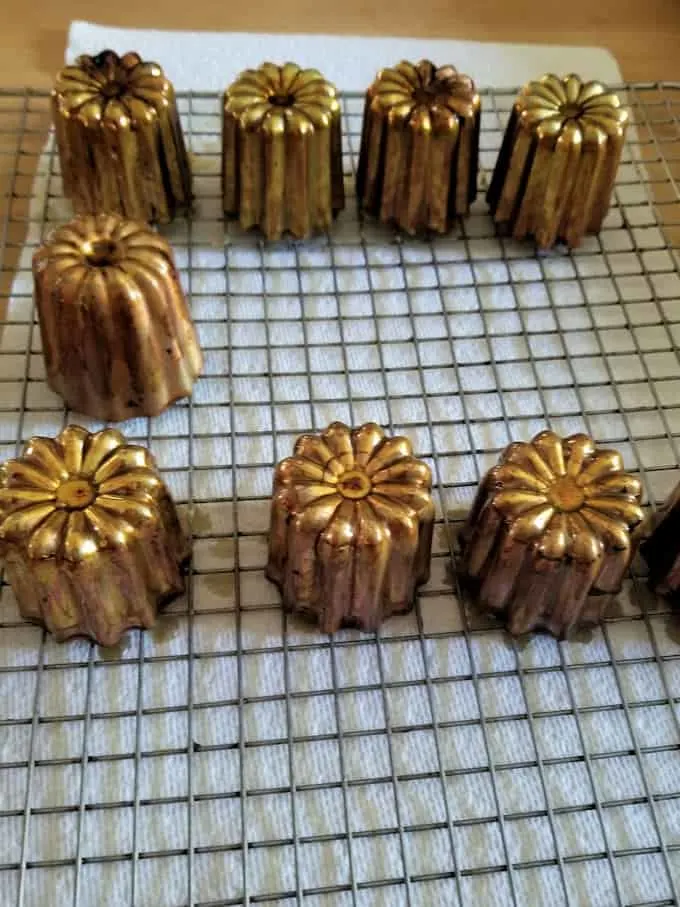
[208, 60]
[148, 806]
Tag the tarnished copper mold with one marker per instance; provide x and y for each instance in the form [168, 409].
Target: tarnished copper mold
[548, 540]
[419, 147]
[556, 169]
[119, 138]
[659, 540]
[117, 335]
[351, 527]
[282, 151]
[89, 535]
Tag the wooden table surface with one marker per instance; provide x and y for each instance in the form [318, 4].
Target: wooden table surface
[644, 35]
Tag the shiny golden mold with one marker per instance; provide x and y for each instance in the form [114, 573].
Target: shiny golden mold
[659, 540]
[119, 138]
[89, 535]
[419, 147]
[557, 165]
[117, 335]
[548, 539]
[351, 527]
[281, 151]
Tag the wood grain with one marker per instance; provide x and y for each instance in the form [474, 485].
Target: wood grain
[643, 36]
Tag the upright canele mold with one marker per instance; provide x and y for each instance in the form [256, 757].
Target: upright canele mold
[89, 534]
[351, 527]
[557, 165]
[119, 138]
[282, 151]
[419, 147]
[659, 540]
[548, 539]
[117, 336]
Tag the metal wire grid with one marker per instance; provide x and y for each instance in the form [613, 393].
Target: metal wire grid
[234, 756]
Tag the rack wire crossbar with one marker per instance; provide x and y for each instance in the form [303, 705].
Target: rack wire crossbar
[233, 756]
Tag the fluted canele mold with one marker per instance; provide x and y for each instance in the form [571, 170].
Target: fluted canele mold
[117, 336]
[282, 151]
[419, 147]
[556, 169]
[548, 540]
[351, 527]
[89, 534]
[119, 138]
[659, 539]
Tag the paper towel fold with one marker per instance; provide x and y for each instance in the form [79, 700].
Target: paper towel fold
[382, 735]
[207, 61]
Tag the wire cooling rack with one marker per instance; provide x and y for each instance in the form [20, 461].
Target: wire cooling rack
[233, 756]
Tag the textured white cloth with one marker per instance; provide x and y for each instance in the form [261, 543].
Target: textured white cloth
[207, 61]
[451, 676]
